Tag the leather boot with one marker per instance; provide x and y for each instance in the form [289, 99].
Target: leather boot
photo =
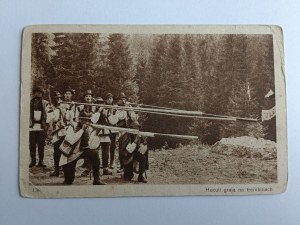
[98, 182]
[121, 169]
[32, 163]
[142, 179]
[41, 164]
[112, 164]
[85, 164]
[106, 171]
[86, 172]
[55, 173]
[41, 159]
[96, 174]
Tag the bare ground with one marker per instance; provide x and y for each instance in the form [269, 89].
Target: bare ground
[195, 164]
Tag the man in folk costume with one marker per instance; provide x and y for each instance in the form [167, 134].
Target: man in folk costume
[86, 111]
[69, 109]
[133, 150]
[57, 119]
[76, 146]
[121, 101]
[37, 135]
[107, 137]
[68, 94]
[269, 116]
[111, 117]
[122, 122]
[98, 100]
[100, 138]
[122, 114]
[134, 154]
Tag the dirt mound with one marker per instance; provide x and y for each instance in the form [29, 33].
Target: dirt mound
[246, 147]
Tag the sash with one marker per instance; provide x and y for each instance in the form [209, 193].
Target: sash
[71, 140]
[37, 116]
[94, 140]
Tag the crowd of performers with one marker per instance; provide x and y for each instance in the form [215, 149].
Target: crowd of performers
[75, 135]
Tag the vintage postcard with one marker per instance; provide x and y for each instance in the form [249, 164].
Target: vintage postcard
[152, 110]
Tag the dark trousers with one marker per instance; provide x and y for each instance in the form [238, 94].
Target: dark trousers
[113, 147]
[105, 153]
[105, 149]
[128, 169]
[57, 152]
[120, 155]
[37, 138]
[92, 156]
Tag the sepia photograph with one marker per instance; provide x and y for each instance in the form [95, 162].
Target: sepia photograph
[111, 111]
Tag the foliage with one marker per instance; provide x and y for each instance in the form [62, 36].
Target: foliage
[217, 74]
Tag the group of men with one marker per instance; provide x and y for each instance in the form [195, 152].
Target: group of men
[77, 134]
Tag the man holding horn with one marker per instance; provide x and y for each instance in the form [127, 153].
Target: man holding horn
[76, 146]
[56, 119]
[133, 150]
[86, 111]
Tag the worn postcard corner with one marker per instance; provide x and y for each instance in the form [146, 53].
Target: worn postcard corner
[152, 110]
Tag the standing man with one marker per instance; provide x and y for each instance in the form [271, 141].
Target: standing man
[68, 94]
[58, 130]
[122, 122]
[37, 135]
[113, 134]
[86, 111]
[66, 115]
[107, 137]
[68, 108]
[122, 99]
[269, 116]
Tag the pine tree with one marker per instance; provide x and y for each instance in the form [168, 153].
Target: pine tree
[41, 67]
[191, 87]
[174, 90]
[212, 89]
[155, 77]
[74, 61]
[120, 67]
[157, 71]
[141, 76]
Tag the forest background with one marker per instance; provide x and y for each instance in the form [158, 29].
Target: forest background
[219, 74]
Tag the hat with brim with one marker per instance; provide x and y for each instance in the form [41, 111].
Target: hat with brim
[57, 95]
[88, 92]
[109, 95]
[98, 100]
[70, 90]
[38, 89]
[122, 95]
